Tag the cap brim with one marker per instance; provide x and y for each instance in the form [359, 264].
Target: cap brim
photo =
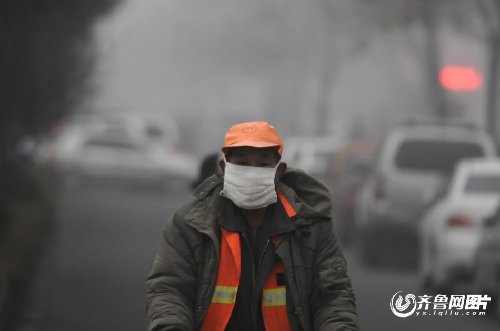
[256, 144]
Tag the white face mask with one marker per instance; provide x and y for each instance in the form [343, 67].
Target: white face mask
[249, 187]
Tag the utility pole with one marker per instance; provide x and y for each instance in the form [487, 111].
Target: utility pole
[435, 93]
[492, 14]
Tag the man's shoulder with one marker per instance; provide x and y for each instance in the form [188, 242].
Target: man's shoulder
[207, 187]
[185, 209]
[196, 213]
[310, 198]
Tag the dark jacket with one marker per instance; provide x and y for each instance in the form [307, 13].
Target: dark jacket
[319, 292]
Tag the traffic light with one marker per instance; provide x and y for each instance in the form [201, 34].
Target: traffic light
[460, 78]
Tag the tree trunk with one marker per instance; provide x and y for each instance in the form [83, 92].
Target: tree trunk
[435, 93]
[493, 70]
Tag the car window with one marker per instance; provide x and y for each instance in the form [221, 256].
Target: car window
[112, 139]
[154, 132]
[433, 155]
[483, 184]
[110, 143]
[359, 163]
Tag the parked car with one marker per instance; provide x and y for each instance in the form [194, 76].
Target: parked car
[352, 165]
[451, 230]
[486, 277]
[313, 154]
[127, 149]
[414, 163]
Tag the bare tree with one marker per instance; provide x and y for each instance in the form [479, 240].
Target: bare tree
[45, 60]
[491, 11]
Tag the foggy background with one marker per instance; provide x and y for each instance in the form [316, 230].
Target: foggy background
[322, 67]
[75, 250]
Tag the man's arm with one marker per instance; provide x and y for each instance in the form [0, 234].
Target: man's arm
[333, 301]
[171, 285]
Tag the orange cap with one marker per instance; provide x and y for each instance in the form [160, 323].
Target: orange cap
[252, 134]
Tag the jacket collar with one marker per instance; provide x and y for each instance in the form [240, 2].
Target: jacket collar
[207, 186]
[276, 219]
[308, 197]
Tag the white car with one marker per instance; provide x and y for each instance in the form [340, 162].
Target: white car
[121, 150]
[313, 154]
[451, 230]
[415, 161]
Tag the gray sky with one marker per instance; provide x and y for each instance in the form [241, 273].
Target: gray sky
[213, 64]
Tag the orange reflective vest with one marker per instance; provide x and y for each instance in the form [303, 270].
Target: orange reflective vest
[273, 299]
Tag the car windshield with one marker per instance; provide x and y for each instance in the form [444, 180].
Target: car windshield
[112, 140]
[433, 155]
[483, 184]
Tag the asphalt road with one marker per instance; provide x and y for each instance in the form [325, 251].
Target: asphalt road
[376, 286]
[93, 274]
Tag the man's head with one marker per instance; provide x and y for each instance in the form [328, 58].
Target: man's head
[252, 151]
[256, 144]
[257, 134]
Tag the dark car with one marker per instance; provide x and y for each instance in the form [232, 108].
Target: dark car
[352, 165]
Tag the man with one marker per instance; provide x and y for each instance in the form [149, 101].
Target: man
[254, 251]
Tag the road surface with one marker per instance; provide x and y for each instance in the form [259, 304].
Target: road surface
[93, 274]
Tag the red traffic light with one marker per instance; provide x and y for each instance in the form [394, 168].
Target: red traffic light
[460, 78]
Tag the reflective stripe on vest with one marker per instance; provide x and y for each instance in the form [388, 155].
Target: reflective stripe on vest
[274, 300]
[226, 284]
[225, 294]
[274, 291]
[274, 297]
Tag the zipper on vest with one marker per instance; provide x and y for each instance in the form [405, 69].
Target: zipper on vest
[254, 277]
[258, 270]
[249, 247]
[256, 303]
[261, 257]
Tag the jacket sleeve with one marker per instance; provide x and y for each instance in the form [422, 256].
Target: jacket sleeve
[171, 284]
[333, 304]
